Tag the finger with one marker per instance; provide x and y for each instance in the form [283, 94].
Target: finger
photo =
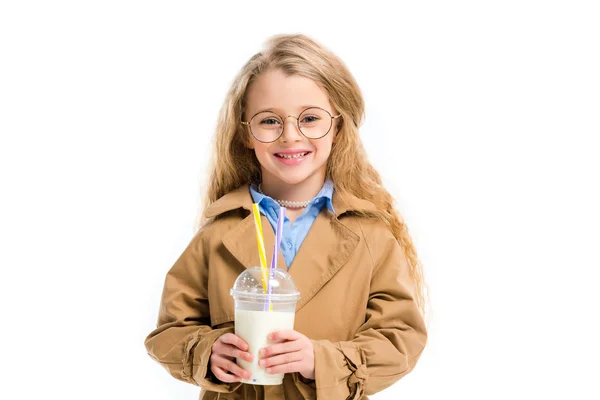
[281, 359]
[295, 366]
[223, 376]
[232, 351]
[215, 358]
[234, 340]
[228, 366]
[280, 348]
[288, 334]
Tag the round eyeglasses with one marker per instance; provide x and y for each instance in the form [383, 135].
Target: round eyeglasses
[313, 123]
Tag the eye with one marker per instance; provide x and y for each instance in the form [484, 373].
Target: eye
[307, 119]
[270, 121]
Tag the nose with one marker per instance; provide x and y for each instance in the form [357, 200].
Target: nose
[290, 130]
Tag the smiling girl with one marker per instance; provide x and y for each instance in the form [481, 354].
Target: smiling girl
[288, 135]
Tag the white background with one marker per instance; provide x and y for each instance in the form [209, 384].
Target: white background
[482, 117]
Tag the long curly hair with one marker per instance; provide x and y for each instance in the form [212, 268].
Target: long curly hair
[233, 164]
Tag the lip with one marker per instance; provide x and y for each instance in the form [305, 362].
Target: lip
[292, 152]
[292, 161]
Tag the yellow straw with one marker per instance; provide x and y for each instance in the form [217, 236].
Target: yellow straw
[261, 245]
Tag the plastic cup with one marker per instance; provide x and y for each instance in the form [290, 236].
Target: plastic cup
[257, 314]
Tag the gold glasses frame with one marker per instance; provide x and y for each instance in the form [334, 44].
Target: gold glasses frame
[247, 123]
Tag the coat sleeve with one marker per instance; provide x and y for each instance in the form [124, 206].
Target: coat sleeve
[183, 338]
[387, 346]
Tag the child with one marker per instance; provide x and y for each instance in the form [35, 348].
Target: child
[288, 135]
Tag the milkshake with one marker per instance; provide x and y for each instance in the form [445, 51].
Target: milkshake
[253, 327]
[259, 312]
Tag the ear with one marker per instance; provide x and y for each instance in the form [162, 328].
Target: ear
[336, 130]
[248, 143]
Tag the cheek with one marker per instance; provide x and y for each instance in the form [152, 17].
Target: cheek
[325, 146]
[261, 150]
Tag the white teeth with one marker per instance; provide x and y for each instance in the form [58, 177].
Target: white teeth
[292, 156]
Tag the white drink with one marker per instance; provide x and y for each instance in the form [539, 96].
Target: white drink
[253, 327]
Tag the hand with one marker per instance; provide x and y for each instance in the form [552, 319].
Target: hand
[294, 354]
[222, 360]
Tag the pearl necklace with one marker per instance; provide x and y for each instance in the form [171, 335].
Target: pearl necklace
[288, 203]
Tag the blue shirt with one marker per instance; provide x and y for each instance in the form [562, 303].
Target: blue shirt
[293, 235]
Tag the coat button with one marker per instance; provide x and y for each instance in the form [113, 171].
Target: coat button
[289, 244]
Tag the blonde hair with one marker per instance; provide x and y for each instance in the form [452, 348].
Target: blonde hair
[234, 165]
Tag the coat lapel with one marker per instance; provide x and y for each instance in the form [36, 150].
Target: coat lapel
[326, 248]
[241, 242]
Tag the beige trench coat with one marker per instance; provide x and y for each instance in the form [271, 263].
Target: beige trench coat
[357, 303]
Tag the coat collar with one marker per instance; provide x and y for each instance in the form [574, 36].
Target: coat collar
[241, 198]
[326, 248]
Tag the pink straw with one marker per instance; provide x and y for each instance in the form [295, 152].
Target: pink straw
[276, 247]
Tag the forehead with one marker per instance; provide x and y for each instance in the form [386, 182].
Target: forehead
[274, 90]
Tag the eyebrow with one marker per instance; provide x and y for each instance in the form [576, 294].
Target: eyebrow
[278, 111]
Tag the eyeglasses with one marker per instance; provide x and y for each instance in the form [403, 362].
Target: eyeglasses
[313, 123]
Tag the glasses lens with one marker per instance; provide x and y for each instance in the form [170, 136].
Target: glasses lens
[266, 126]
[314, 123]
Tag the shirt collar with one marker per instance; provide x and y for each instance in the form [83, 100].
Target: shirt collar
[325, 193]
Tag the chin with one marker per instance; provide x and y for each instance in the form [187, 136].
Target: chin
[293, 177]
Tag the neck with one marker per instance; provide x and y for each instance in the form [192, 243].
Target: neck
[303, 191]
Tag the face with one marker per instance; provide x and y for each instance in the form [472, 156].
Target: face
[292, 159]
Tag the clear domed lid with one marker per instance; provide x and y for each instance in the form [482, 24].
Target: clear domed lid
[250, 283]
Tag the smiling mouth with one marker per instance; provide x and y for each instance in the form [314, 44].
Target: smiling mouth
[292, 156]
